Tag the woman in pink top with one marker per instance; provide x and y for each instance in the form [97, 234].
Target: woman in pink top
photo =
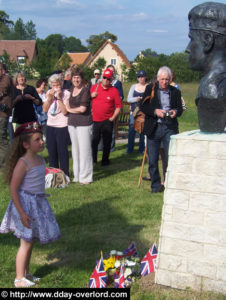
[57, 135]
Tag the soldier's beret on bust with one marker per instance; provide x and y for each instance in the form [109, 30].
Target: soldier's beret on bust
[208, 16]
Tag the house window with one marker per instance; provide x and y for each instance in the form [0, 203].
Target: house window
[113, 61]
[21, 60]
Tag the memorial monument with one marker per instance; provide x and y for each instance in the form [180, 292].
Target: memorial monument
[207, 53]
[192, 244]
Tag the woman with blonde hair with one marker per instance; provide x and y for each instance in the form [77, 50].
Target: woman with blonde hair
[25, 97]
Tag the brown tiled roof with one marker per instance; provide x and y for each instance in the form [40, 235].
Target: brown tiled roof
[17, 48]
[79, 58]
[116, 48]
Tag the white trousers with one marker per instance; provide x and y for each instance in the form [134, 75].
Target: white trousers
[81, 138]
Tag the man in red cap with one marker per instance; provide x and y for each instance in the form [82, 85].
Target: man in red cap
[106, 105]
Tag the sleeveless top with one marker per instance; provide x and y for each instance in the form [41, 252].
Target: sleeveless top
[34, 179]
[135, 104]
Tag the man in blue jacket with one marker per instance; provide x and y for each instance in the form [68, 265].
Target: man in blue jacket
[161, 114]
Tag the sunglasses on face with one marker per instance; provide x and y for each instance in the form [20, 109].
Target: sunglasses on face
[107, 78]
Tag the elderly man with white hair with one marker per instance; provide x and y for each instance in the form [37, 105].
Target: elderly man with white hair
[161, 112]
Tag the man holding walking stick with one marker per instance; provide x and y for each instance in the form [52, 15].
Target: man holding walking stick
[160, 121]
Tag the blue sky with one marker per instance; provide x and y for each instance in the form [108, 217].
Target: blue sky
[161, 25]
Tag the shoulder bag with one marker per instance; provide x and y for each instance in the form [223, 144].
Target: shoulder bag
[139, 116]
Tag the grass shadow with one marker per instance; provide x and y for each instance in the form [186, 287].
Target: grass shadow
[120, 161]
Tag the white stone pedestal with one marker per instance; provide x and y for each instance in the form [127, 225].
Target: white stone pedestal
[192, 245]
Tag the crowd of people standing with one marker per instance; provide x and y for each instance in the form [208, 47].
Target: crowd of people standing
[72, 111]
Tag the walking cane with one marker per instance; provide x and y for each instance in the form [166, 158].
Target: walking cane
[142, 166]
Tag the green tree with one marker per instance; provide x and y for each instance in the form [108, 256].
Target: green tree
[149, 52]
[88, 72]
[4, 18]
[11, 64]
[5, 24]
[47, 58]
[125, 72]
[100, 64]
[72, 44]
[64, 62]
[178, 62]
[30, 31]
[150, 64]
[19, 31]
[51, 49]
[96, 41]
[56, 42]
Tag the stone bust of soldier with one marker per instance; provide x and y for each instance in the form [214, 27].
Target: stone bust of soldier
[207, 53]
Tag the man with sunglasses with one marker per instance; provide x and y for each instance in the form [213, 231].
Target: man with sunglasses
[96, 78]
[106, 105]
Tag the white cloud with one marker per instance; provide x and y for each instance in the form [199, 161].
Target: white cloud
[109, 5]
[70, 2]
[140, 16]
[157, 31]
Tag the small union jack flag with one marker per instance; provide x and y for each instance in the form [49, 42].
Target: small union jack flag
[98, 279]
[121, 283]
[131, 250]
[148, 263]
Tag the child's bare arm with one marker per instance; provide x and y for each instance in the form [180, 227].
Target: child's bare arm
[17, 178]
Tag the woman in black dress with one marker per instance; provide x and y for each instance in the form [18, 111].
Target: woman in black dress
[25, 97]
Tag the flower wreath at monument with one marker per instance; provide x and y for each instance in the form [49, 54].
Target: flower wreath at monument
[119, 269]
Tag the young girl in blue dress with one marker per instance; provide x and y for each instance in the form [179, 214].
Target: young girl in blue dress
[29, 214]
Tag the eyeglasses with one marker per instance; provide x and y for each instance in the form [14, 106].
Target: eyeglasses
[96, 74]
[107, 78]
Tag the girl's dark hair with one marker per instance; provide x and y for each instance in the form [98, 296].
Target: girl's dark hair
[40, 81]
[78, 72]
[17, 150]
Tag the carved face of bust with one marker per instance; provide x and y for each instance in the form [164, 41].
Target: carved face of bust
[195, 49]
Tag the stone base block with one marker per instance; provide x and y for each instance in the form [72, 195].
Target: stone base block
[192, 245]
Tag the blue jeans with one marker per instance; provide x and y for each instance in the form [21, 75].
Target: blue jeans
[131, 137]
[161, 134]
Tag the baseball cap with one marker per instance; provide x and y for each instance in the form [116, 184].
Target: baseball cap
[97, 71]
[108, 73]
[141, 73]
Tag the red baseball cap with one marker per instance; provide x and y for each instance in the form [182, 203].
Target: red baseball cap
[108, 73]
[28, 127]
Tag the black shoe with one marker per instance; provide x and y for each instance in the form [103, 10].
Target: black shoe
[146, 179]
[160, 190]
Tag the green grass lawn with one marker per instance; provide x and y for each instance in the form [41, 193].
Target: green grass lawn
[106, 215]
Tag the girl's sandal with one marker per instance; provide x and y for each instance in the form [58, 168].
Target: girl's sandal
[32, 278]
[23, 282]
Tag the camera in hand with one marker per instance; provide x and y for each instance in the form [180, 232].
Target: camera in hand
[168, 114]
